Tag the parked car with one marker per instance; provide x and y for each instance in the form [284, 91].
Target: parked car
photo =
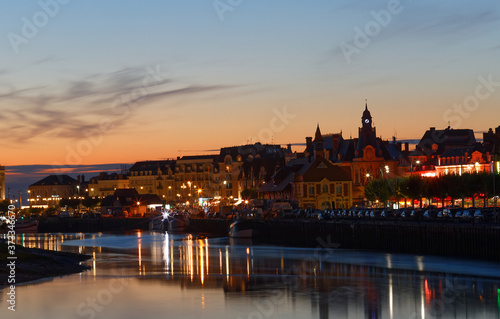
[466, 214]
[430, 214]
[478, 215]
[415, 214]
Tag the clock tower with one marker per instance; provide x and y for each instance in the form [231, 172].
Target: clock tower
[366, 119]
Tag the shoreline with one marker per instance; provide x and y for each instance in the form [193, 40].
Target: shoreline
[33, 264]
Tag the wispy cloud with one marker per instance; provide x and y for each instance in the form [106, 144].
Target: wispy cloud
[44, 112]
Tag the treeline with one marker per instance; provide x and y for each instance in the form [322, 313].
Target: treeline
[479, 186]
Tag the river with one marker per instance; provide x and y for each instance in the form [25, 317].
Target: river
[162, 275]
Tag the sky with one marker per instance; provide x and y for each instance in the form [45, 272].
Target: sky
[101, 82]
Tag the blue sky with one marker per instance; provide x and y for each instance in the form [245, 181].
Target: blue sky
[215, 82]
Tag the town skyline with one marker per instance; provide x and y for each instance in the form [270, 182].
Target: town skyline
[208, 74]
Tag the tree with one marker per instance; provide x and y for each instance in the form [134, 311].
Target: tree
[90, 202]
[250, 193]
[378, 190]
[4, 205]
[71, 203]
[414, 189]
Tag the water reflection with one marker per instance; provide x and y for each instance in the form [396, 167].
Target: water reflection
[278, 282]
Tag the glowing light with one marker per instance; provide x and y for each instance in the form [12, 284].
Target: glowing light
[227, 263]
[428, 174]
[498, 293]
[166, 251]
[391, 298]
[202, 265]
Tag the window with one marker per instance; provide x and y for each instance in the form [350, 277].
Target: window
[338, 189]
[311, 190]
[325, 188]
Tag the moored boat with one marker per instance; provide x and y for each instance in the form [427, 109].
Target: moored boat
[245, 228]
[156, 223]
[176, 221]
[21, 226]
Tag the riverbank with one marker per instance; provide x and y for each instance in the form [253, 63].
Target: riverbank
[33, 264]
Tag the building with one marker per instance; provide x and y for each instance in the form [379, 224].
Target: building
[129, 203]
[153, 177]
[323, 185]
[195, 178]
[364, 158]
[247, 167]
[311, 182]
[105, 184]
[50, 190]
[445, 151]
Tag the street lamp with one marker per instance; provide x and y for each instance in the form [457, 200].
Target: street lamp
[411, 166]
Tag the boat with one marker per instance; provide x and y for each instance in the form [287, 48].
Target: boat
[22, 226]
[176, 221]
[156, 223]
[245, 228]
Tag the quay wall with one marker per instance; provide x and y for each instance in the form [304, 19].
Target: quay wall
[91, 225]
[444, 239]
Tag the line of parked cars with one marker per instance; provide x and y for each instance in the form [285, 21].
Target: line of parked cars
[426, 214]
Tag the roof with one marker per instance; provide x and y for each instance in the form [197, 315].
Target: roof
[322, 168]
[446, 139]
[253, 150]
[105, 177]
[198, 157]
[56, 180]
[152, 165]
[460, 151]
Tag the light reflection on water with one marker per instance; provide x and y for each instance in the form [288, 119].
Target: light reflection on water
[169, 275]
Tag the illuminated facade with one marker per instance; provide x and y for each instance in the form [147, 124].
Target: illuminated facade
[224, 175]
[105, 184]
[312, 181]
[443, 151]
[153, 177]
[463, 160]
[365, 157]
[50, 190]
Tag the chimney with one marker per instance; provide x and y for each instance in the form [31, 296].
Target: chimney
[407, 147]
[309, 144]
[400, 146]
[289, 147]
[433, 128]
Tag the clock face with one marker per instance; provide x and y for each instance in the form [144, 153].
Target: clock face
[367, 121]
